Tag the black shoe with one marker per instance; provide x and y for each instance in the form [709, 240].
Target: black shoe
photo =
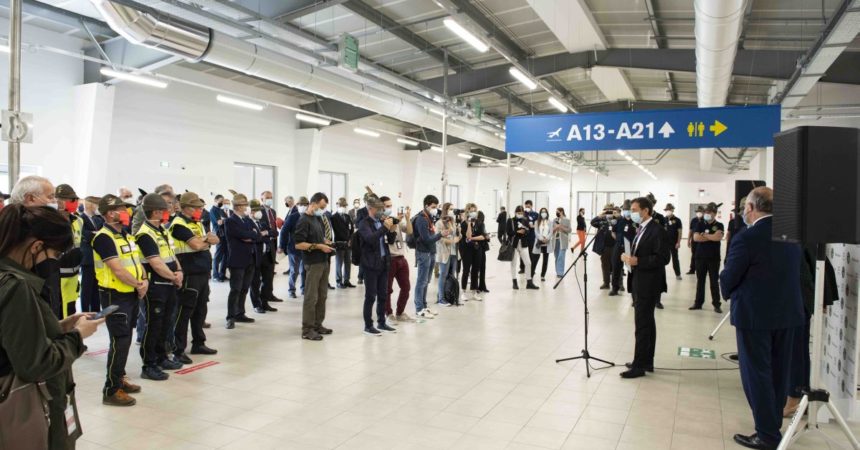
[386, 328]
[718, 310]
[349, 285]
[244, 319]
[633, 373]
[270, 309]
[753, 441]
[340, 286]
[360, 281]
[230, 324]
[692, 272]
[647, 369]
[331, 287]
[203, 350]
[613, 293]
[521, 271]
[170, 365]
[286, 272]
[260, 310]
[153, 373]
[372, 332]
[182, 357]
[293, 295]
[484, 290]
[659, 305]
[516, 285]
[604, 286]
[207, 325]
[733, 356]
[531, 285]
[694, 308]
[324, 330]
[311, 335]
[275, 300]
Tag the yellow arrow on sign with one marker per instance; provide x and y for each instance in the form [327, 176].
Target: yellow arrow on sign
[717, 128]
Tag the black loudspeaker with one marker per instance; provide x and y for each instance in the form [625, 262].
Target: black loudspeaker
[816, 173]
[742, 189]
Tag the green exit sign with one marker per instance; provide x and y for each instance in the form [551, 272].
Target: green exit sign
[692, 352]
[348, 52]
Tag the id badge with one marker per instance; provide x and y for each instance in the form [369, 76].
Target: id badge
[398, 244]
[71, 423]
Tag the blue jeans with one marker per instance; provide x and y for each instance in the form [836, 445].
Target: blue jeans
[444, 269]
[425, 267]
[560, 254]
[297, 266]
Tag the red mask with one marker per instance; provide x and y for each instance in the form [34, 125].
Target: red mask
[165, 216]
[196, 215]
[124, 218]
[72, 207]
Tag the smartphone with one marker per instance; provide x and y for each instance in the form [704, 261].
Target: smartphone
[106, 312]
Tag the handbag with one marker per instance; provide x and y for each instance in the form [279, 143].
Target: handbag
[506, 252]
[24, 415]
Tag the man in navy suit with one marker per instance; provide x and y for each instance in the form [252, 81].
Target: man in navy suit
[288, 232]
[241, 239]
[375, 259]
[647, 281]
[762, 279]
[217, 217]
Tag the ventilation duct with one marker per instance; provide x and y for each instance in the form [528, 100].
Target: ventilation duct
[718, 28]
[197, 43]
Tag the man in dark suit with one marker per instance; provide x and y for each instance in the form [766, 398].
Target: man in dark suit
[343, 231]
[264, 263]
[650, 254]
[89, 287]
[375, 259]
[762, 279]
[268, 223]
[217, 217]
[241, 238]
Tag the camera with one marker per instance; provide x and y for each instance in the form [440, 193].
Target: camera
[458, 212]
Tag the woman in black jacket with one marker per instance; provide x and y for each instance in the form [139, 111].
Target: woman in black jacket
[518, 229]
[480, 228]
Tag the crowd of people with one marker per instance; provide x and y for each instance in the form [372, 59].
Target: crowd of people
[143, 267]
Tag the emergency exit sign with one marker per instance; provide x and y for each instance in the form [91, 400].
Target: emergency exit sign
[348, 52]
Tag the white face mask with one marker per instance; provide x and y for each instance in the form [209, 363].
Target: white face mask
[268, 202]
[528, 210]
[432, 211]
[302, 209]
[544, 215]
[519, 216]
[699, 215]
[52, 206]
[708, 217]
[669, 213]
[341, 210]
[258, 215]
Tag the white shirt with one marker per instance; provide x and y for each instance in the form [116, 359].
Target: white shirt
[640, 233]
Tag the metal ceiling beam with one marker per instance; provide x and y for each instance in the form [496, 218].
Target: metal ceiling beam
[778, 64]
[432, 136]
[657, 30]
[309, 8]
[61, 16]
[336, 109]
[628, 105]
[124, 53]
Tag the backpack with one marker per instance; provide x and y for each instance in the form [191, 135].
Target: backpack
[412, 239]
[452, 290]
[355, 245]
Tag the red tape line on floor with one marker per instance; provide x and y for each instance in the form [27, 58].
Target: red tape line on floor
[196, 367]
[96, 352]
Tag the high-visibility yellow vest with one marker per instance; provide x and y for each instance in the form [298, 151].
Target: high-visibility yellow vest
[69, 283]
[165, 242]
[129, 258]
[195, 227]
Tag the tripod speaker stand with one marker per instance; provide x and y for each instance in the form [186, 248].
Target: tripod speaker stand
[585, 355]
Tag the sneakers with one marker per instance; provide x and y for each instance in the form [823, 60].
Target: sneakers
[119, 398]
[404, 318]
[386, 328]
[391, 318]
[324, 330]
[531, 285]
[182, 357]
[153, 373]
[444, 304]
[372, 332]
[169, 365]
[476, 296]
[431, 311]
[425, 313]
[203, 350]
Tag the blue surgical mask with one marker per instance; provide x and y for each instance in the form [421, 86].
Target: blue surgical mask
[744, 217]
[389, 212]
[708, 217]
[319, 212]
[635, 217]
[625, 213]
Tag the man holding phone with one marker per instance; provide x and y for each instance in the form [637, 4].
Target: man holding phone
[122, 281]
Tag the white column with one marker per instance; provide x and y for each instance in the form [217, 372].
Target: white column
[91, 141]
[307, 145]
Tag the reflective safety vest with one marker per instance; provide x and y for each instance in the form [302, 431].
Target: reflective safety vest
[195, 227]
[69, 283]
[165, 243]
[129, 258]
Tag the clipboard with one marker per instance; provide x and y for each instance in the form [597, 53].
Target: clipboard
[627, 250]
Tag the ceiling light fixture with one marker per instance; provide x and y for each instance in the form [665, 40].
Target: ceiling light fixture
[366, 132]
[238, 102]
[519, 169]
[438, 112]
[464, 155]
[542, 174]
[558, 105]
[620, 152]
[407, 142]
[313, 119]
[465, 35]
[522, 78]
[152, 82]
[436, 148]
[486, 160]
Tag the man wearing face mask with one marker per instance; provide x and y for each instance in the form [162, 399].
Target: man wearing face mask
[691, 243]
[708, 235]
[264, 261]
[343, 230]
[736, 225]
[165, 275]
[297, 265]
[242, 237]
[92, 224]
[604, 243]
[425, 235]
[623, 230]
[375, 258]
[269, 223]
[70, 261]
[122, 281]
[314, 238]
[673, 229]
[217, 216]
[356, 205]
[192, 245]
[138, 217]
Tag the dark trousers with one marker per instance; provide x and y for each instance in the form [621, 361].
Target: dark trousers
[256, 287]
[316, 294]
[481, 263]
[240, 284]
[535, 258]
[709, 268]
[90, 301]
[676, 263]
[693, 257]
[617, 267]
[267, 278]
[646, 330]
[119, 325]
[219, 261]
[800, 365]
[156, 310]
[192, 309]
[398, 269]
[342, 263]
[467, 255]
[765, 357]
[606, 263]
[375, 287]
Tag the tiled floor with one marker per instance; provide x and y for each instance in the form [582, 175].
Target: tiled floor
[481, 376]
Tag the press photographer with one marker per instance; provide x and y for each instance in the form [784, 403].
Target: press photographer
[603, 240]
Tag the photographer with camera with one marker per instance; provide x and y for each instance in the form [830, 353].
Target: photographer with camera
[399, 268]
[519, 227]
[375, 259]
[604, 243]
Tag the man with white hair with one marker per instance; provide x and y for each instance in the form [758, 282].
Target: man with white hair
[34, 191]
[125, 194]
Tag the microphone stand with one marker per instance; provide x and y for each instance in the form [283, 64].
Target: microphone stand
[585, 355]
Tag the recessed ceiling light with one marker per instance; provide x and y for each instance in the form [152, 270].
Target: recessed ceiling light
[152, 82]
[436, 148]
[313, 119]
[464, 155]
[519, 169]
[532, 172]
[407, 141]
[366, 132]
[557, 104]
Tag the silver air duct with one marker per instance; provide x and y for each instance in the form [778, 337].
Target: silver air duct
[197, 43]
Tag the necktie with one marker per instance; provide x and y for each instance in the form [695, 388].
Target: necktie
[327, 229]
[636, 239]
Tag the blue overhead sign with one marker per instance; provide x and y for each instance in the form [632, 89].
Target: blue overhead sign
[731, 126]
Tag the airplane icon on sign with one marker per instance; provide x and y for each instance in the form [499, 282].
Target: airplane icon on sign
[554, 134]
